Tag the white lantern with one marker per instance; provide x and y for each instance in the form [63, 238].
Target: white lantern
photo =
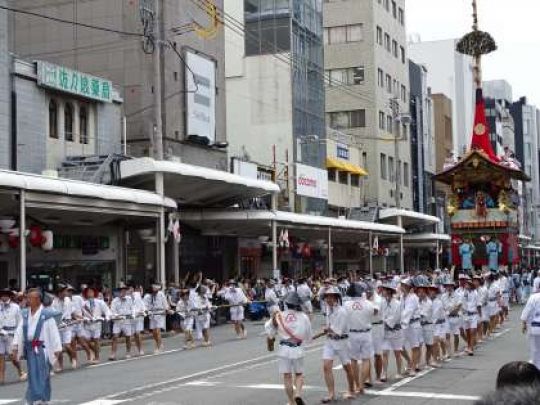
[48, 241]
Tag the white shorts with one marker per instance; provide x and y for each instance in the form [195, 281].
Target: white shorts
[307, 307]
[411, 337]
[203, 322]
[237, 313]
[331, 350]
[393, 340]
[493, 309]
[124, 327]
[66, 335]
[377, 337]
[188, 323]
[291, 366]
[137, 325]
[454, 324]
[78, 330]
[428, 334]
[5, 345]
[157, 322]
[485, 314]
[360, 345]
[440, 330]
[92, 331]
[470, 322]
[505, 301]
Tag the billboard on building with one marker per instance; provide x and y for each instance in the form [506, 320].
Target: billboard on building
[311, 181]
[201, 96]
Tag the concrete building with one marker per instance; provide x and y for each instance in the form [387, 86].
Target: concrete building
[5, 93]
[450, 73]
[367, 66]
[527, 134]
[275, 95]
[498, 97]
[121, 59]
[444, 147]
[422, 139]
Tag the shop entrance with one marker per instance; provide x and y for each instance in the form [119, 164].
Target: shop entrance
[100, 274]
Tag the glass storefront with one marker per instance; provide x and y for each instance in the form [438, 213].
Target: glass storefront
[100, 274]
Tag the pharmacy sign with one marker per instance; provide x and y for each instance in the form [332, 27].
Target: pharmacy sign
[74, 82]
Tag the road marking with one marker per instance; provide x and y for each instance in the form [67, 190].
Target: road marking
[383, 393]
[8, 401]
[103, 402]
[202, 383]
[146, 356]
[407, 380]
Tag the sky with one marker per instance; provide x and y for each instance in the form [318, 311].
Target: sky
[514, 24]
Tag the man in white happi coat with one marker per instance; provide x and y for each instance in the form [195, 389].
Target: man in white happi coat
[10, 317]
[95, 311]
[336, 345]
[123, 312]
[37, 339]
[139, 310]
[472, 311]
[377, 331]
[62, 304]
[199, 308]
[410, 324]
[78, 332]
[236, 298]
[393, 335]
[271, 298]
[530, 318]
[305, 294]
[157, 308]
[452, 305]
[425, 305]
[293, 329]
[361, 313]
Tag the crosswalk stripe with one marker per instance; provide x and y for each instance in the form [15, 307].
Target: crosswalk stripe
[104, 402]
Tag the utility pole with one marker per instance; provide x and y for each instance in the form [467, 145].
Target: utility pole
[394, 106]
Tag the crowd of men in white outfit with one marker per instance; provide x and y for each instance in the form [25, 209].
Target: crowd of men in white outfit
[420, 320]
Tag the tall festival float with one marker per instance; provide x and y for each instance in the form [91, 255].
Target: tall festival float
[483, 201]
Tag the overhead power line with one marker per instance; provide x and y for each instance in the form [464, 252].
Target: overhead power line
[71, 22]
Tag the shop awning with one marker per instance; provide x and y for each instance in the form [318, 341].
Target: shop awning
[333, 163]
[531, 247]
[426, 237]
[74, 188]
[407, 217]
[194, 185]
[253, 223]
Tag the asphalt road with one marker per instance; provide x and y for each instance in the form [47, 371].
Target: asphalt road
[242, 372]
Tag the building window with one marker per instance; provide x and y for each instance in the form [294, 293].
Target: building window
[394, 9]
[387, 5]
[383, 166]
[405, 174]
[53, 119]
[389, 83]
[68, 122]
[350, 76]
[380, 77]
[83, 124]
[331, 174]
[387, 42]
[379, 35]
[382, 122]
[355, 180]
[394, 48]
[343, 177]
[401, 16]
[402, 51]
[395, 86]
[391, 173]
[403, 93]
[343, 34]
[347, 119]
[364, 160]
[389, 124]
[404, 134]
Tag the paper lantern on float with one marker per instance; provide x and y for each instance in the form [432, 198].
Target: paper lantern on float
[36, 236]
[48, 241]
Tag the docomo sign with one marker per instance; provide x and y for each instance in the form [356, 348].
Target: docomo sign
[311, 181]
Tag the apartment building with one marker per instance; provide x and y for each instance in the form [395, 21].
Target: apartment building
[367, 67]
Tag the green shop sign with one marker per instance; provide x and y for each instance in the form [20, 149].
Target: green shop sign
[74, 82]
